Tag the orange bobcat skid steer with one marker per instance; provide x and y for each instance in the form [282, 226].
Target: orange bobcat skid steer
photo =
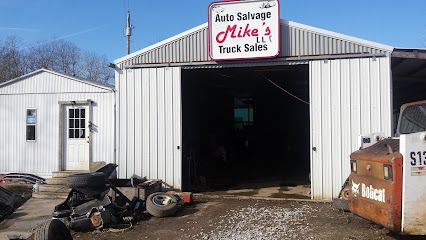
[388, 178]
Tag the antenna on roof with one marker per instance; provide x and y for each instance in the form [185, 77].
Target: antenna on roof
[128, 32]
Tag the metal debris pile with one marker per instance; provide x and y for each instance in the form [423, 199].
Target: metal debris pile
[96, 203]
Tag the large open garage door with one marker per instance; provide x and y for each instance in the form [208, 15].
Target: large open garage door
[348, 97]
[409, 85]
[246, 130]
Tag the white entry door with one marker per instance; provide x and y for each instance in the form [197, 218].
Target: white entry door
[76, 138]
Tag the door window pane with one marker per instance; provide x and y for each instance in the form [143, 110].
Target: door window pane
[71, 133]
[82, 133]
[71, 113]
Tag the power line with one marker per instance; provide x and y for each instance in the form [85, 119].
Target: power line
[284, 90]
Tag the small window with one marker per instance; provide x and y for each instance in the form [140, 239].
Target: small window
[243, 112]
[31, 123]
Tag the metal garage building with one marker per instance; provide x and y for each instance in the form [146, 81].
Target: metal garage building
[51, 122]
[348, 87]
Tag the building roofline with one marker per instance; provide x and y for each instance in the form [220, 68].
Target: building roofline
[339, 35]
[410, 49]
[170, 39]
[92, 83]
[286, 22]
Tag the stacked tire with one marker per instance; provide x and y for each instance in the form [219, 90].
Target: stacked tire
[91, 184]
[86, 180]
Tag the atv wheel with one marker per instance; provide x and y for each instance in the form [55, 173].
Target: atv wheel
[161, 205]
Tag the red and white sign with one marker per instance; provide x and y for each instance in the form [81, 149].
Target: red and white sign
[244, 29]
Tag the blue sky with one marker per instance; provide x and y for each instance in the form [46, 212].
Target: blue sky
[98, 25]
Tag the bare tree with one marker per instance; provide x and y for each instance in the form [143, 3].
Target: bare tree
[68, 57]
[11, 59]
[40, 56]
[93, 68]
[58, 55]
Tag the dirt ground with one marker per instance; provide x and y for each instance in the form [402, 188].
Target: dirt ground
[223, 218]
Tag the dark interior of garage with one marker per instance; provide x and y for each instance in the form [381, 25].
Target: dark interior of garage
[245, 127]
[408, 78]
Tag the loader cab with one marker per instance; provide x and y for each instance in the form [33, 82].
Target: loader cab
[412, 118]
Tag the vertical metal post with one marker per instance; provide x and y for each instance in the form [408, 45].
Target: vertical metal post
[128, 33]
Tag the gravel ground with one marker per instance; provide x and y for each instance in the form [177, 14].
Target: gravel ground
[253, 219]
[259, 222]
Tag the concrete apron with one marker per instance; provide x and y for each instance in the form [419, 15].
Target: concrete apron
[202, 196]
[27, 217]
[300, 192]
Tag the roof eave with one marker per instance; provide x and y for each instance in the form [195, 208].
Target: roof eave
[59, 74]
[339, 35]
[151, 47]
[8, 82]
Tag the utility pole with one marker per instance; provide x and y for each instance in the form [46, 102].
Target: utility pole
[128, 32]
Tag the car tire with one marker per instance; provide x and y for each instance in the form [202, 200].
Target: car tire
[52, 230]
[86, 180]
[156, 207]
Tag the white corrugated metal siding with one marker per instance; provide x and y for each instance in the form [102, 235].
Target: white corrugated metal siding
[348, 97]
[296, 40]
[43, 92]
[149, 124]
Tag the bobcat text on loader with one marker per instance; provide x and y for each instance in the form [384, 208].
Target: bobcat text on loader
[388, 175]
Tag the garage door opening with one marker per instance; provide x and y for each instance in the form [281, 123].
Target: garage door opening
[408, 79]
[246, 128]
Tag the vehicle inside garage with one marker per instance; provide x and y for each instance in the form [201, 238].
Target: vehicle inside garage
[245, 127]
